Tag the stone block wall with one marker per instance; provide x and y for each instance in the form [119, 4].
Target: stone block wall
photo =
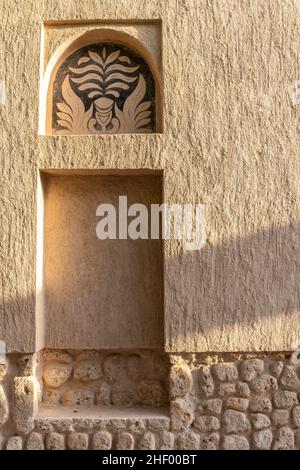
[235, 402]
[91, 378]
[222, 401]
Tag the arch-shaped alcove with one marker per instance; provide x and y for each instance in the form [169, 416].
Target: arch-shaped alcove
[103, 82]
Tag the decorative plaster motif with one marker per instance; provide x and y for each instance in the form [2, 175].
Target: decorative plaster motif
[105, 92]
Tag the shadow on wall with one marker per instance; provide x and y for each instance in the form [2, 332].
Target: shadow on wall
[242, 295]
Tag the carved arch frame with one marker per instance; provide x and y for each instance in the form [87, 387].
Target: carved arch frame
[88, 38]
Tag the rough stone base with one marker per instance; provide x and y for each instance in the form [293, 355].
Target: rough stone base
[222, 401]
[88, 378]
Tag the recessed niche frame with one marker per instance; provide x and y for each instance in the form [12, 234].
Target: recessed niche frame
[92, 270]
[91, 38]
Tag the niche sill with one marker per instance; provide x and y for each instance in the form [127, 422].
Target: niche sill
[96, 413]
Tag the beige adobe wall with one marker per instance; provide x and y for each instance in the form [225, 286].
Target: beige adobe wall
[230, 141]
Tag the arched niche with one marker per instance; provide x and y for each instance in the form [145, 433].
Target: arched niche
[103, 82]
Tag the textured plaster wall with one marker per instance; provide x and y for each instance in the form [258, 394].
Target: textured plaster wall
[230, 141]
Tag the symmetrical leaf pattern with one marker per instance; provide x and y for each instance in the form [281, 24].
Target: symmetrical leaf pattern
[72, 114]
[103, 77]
[135, 115]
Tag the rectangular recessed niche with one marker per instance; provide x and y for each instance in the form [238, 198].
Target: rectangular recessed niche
[92, 293]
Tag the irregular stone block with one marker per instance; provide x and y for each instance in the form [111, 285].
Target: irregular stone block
[284, 399]
[84, 424]
[235, 442]
[87, 371]
[56, 355]
[250, 368]
[3, 407]
[207, 423]
[284, 439]
[289, 379]
[102, 440]
[25, 403]
[63, 425]
[103, 394]
[225, 372]
[161, 367]
[117, 424]
[157, 424]
[55, 441]
[166, 440]
[296, 416]
[125, 441]
[27, 364]
[77, 397]
[152, 393]
[175, 359]
[113, 367]
[43, 425]
[122, 395]
[181, 415]
[134, 366]
[180, 381]
[24, 426]
[226, 389]
[209, 441]
[262, 440]
[264, 383]
[260, 421]
[236, 403]
[276, 368]
[14, 443]
[55, 375]
[147, 442]
[51, 396]
[137, 426]
[260, 405]
[280, 417]
[235, 422]
[211, 406]
[78, 441]
[206, 382]
[87, 355]
[35, 441]
[188, 441]
[242, 389]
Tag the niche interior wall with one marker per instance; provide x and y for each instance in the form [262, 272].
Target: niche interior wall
[99, 293]
[196, 110]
